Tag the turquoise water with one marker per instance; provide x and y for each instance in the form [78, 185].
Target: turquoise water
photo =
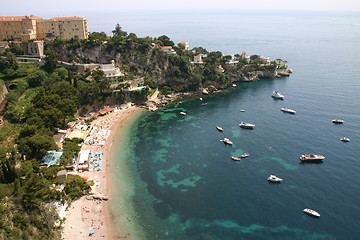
[185, 186]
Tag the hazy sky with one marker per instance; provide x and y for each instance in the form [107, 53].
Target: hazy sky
[23, 7]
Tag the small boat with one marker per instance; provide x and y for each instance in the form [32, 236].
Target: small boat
[311, 212]
[234, 85]
[242, 110]
[311, 157]
[200, 99]
[244, 155]
[288, 110]
[246, 125]
[226, 141]
[183, 113]
[277, 95]
[235, 158]
[345, 139]
[273, 178]
[219, 128]
[337, 121]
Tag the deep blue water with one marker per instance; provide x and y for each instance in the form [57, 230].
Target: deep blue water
[191, 189]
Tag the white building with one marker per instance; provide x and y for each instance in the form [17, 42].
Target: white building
[83, 163]
[36, 48]
[233, 60]
[198, 59]
[185, 44]
[111, 71]
[266, 60]
[168, 49]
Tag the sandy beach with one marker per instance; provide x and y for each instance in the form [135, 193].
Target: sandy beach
[93, 216]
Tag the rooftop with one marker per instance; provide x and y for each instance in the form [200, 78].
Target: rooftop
[64, 18]
[17, 18]
[52, 158]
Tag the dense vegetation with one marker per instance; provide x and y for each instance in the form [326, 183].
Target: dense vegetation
[143, 58]
[43, 99]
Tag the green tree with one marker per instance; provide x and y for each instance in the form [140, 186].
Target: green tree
[8, 63]
[98, 75]
[7, 165]
[213, 58]
[97, 36]
[166, 41]
[119, 32]
[71, 149]
[36, 191]
[36, 79]
[36, 146]
[51, 60]
[17, 49]
[200, 50]
[63, 73]
[75, 186]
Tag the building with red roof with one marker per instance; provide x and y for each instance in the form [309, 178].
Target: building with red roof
[24, 28]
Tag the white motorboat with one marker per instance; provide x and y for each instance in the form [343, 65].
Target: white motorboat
[345, 139]
[226, 141]
[288, 110]
[183, 113]
[277, 95]
[246, 125]
[219, 128]
[311, 212]
[273, 178]
[245, 155]
[311, 157]
[242, 110]
[337, 121]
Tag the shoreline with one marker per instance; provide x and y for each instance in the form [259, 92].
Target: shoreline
[84, 214]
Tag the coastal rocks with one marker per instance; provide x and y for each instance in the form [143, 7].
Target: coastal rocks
[284, 72]
[212, 89]
[205, 91]
[209, 89]
[97, 196]
[257, 75]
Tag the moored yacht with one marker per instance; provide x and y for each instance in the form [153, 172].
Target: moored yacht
[244, 155]
[220, 129]
[345, 139]
[311, 157]
[277, 95]
[273, 178]
[337, 121]
[235, 158]
[183, 113]
[226, 141]
[288, 110]
[311, 212]
[246, 125]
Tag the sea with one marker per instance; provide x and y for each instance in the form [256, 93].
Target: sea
[179, 178]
